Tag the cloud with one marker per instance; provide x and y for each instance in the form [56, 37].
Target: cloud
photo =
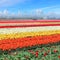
[49, 7]
[36, 13]
[5, 12]
[41, 12]
[55, 9]
[4, 3]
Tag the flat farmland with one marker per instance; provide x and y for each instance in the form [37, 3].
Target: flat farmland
[30, 39]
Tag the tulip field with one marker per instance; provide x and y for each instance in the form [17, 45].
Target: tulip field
[29, 39]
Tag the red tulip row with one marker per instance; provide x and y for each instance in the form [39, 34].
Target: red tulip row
[27, 21]
[28, 41]
[30, 25]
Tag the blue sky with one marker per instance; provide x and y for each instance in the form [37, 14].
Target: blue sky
[29, 5]
[37, 7]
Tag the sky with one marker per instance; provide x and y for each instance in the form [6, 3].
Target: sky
[29, 6]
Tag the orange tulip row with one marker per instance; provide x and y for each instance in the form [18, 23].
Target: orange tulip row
[9, 44]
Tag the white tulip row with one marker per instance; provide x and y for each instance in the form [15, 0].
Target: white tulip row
[28, 29]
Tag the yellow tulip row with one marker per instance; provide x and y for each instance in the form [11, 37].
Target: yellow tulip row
[25, 34]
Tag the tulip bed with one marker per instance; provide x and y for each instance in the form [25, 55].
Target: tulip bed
[30, 40]
[45, 52]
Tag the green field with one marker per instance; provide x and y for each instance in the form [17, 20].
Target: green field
[43, 52]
